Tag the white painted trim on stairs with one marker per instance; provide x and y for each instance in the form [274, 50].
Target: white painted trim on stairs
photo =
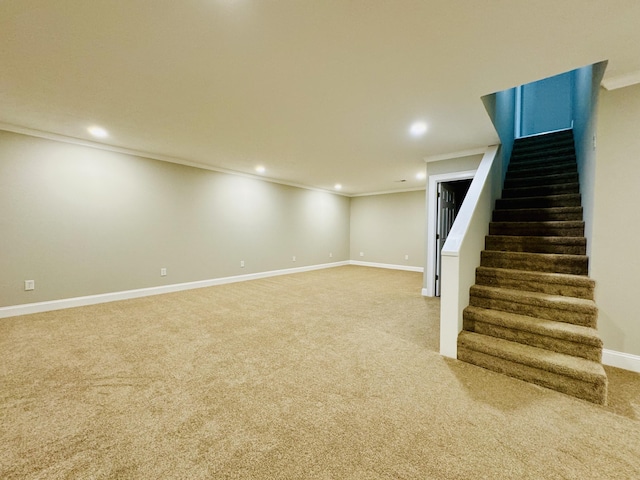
[621, 81]
[622, 360]
[389, 266]
[461, 251]
[29, 308]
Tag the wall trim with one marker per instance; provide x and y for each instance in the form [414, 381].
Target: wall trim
[389, 266]
[29, 308]
[8, 127]
[388, 192]
[621, 81]
[626, 361]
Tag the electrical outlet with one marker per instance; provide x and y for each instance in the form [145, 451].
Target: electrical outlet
[163, 272]
[362, 254]
[241, 263]
[330, 254]
[406, 257]
[294, 258]
[29, 285]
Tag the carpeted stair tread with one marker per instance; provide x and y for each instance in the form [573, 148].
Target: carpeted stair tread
[574, 376]
[542, 201]
[540, 262]
[541, 190]
[578, 311]
[559, 337]
[546, 229]
[578, 368]
[540, 158]
[519, 155]
[537, 244]
[542, 162]
[552, 179]
[538, 214]
[564, 165]
[538, 141]
[579, 286]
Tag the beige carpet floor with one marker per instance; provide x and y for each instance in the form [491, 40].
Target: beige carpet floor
[332, 374]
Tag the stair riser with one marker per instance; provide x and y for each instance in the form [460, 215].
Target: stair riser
[541, 180]
[504, 245]
[516, 165]
[533, 285]
[573, 200]
[538, 153]
[548, 313]
[535, 340]
[541, 170]
[562, 138]
[533, 263]
[541, 191]
[569, 214]
[559, 144]
[561, 229]
[593, 392]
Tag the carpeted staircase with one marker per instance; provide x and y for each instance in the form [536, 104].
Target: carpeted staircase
[531, 313]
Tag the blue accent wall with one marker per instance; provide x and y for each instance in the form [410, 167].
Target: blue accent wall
[547, 105]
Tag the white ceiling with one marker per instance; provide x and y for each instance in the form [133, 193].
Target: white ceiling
[317, 91]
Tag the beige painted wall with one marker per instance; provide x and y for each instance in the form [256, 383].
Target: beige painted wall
[388, 227]
[82, 221]
[615, 253]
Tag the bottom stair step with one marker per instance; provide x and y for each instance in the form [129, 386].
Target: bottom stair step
[573, 376]
[560, 337]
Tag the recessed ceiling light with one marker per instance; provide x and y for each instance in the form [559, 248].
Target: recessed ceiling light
[421, 176]
[418, 129]
[337, 186]
[98, 132]
[260, 169]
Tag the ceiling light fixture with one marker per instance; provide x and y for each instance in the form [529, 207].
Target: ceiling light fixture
[337, 186]
[418, 129]
[98, 132]
[421, 176]
[260, 169]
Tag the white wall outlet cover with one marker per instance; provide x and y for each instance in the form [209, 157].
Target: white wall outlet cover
[241, 263]
[163, 272]
[294, 258]
[29, 284]
[362, 254]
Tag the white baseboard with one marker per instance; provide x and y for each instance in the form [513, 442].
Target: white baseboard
[29, 308]
[622, 360]
[390, 266]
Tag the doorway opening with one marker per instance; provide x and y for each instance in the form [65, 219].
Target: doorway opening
[450, 197]
[458, 183]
